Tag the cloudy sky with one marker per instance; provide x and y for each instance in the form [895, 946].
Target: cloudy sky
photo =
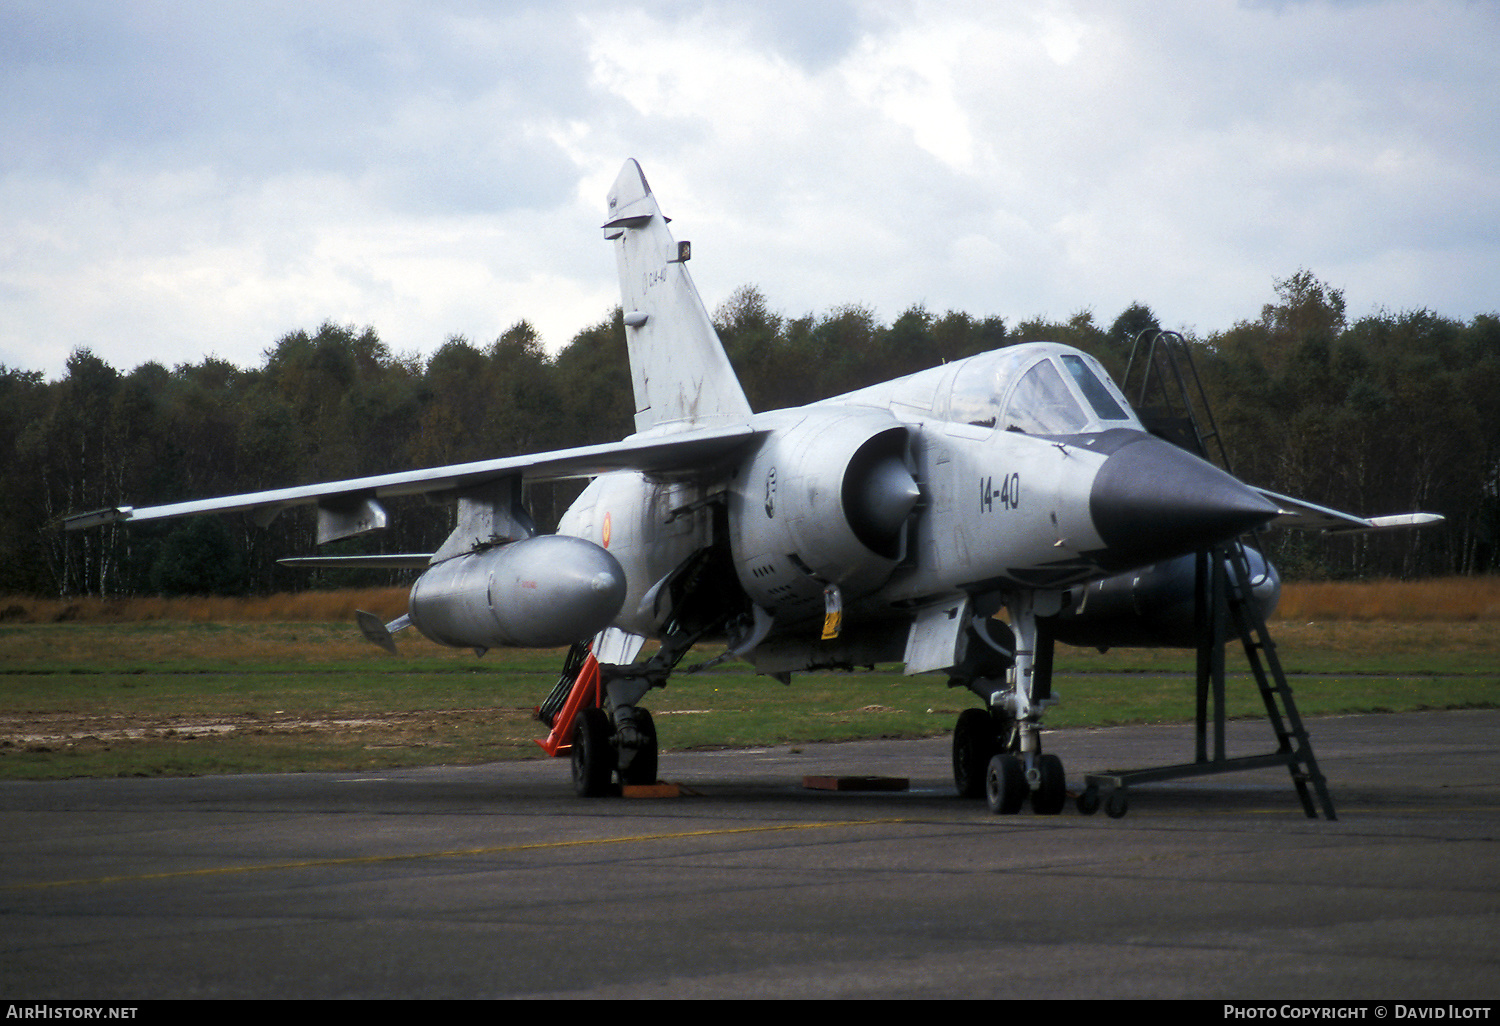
[179, 179]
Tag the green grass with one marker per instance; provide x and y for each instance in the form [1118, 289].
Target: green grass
[206, 698]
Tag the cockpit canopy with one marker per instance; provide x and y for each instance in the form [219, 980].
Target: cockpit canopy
[1040, 388]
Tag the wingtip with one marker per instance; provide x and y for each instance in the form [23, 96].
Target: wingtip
[1407, 520]
[96, 518]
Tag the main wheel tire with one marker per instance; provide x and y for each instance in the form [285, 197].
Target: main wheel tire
[1005, 785]
[976, 741]
[642, 768]
[593, 756]
[1052, 791]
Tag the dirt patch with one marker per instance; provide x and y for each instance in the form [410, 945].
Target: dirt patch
[45, 732]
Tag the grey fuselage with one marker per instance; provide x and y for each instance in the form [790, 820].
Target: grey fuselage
[1006, 455]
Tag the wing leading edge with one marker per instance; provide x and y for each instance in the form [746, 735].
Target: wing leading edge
[1308, 515]
[683, 453]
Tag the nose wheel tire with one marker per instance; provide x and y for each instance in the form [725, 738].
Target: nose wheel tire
[1005, 785]
[1052, 790]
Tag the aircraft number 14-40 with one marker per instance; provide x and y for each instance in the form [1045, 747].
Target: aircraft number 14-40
[1006, 496]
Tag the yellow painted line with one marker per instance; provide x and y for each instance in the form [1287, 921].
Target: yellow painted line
[458, 853]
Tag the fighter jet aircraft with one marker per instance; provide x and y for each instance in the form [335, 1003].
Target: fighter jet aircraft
[887, 525]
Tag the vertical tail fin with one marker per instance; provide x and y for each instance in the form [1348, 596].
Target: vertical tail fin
[677, 363]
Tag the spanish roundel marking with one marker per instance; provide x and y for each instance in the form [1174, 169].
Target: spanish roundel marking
[606, 530]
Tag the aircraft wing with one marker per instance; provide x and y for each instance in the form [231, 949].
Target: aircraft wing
[1297, 513]
[665, 454]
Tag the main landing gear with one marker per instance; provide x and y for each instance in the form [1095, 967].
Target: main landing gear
[600, 750]
[597, 723]
[619, 736]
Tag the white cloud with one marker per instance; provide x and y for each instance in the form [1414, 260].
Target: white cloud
[179, 182]
[909, 80]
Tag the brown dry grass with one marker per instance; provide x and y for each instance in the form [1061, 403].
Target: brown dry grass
[302, 607]
[172, 642]
[1438, 600]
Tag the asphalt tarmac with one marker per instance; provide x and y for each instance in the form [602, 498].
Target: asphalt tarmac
[495, 881]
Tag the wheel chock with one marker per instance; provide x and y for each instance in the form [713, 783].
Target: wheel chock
[660, 789]
[856, 783]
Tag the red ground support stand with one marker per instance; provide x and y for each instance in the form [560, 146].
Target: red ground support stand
[585, 693]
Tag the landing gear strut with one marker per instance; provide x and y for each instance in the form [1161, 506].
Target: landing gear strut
[997, 753]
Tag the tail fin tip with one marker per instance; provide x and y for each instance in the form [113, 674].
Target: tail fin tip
[678, 367]
[631, 203]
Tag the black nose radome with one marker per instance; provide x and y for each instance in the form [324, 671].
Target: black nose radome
[1152, 501]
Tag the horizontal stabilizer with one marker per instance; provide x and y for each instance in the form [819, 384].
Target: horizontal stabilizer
[390, 561]
[378, 631]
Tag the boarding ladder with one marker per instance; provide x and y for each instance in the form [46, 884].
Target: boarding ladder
[576, 689]
[1163, 384]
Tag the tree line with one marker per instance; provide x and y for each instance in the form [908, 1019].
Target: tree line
[1389, 413]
